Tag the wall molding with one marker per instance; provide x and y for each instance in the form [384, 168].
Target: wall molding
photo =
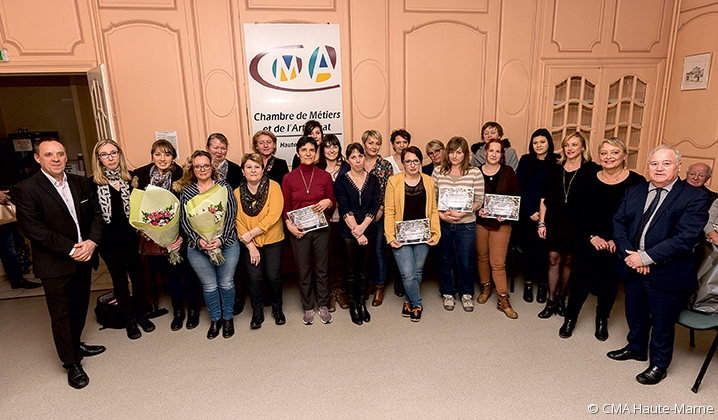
[327, 5]
[593, 43]
[22, 50]
[656, 40]
[444, 8]
[131, 5]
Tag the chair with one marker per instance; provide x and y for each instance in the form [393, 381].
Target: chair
[700, 321]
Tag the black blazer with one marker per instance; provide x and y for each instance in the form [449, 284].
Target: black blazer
[44, 218]
[675, 230]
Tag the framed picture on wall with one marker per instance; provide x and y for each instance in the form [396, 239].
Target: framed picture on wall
[696, 69]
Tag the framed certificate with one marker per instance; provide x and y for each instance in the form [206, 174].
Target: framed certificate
[506, 206]
[455, 198]
[306, 219]
[413, 231]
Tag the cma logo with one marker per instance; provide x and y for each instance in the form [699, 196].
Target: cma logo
[288, 69]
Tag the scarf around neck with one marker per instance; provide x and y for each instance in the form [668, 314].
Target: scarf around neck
[103, 194]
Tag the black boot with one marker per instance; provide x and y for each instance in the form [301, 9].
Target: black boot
[354, 313]
[399, 288]
[192, 318]
[367, 315]
[214, 328]
[178, 320]
[227, 328]
[528, 292]
[541, 293]
[560, 305]
[548, 310]
[601, 328]
[566, 329]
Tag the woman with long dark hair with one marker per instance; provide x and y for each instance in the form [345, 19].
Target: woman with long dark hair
[120, 242]
[533, 169]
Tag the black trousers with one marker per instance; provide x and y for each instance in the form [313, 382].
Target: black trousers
[311, 254]
[269, 271]
[535, 254]
[357, 259]
[122, 259]
[595, 273]
[68, 298]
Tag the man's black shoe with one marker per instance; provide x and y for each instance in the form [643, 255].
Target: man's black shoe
[651, 376]
[88, 350]
[625, 354]
[76, 376]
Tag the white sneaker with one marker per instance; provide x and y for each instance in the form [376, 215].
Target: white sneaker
[449, 302]
[467, 301]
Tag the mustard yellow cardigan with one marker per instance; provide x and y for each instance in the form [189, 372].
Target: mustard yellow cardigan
[394, 206]
[269, 218]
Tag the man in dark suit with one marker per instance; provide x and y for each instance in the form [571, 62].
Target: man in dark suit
[61, 216]
[655, 230]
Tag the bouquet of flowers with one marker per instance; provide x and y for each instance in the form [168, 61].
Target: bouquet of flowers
[155, 212]
[205, 213]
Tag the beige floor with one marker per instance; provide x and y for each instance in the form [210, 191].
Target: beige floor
[449, 365]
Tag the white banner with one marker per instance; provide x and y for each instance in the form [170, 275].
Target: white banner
[294, 76]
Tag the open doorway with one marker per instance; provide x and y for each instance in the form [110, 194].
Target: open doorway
[47, 104]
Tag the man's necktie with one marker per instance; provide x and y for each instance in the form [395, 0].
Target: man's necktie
[646, 217]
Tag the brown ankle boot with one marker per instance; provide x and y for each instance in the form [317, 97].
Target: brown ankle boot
[332, 305]
[378, 296]
[341, 298]
[485, 292]
[505, 306]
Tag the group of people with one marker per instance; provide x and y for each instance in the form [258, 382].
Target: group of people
[577, 230]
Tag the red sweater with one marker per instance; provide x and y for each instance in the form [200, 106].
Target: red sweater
[294, 189]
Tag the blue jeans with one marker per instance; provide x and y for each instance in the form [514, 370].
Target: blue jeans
[220, 303]
[410, 260]
[458, 242]
[380, 277]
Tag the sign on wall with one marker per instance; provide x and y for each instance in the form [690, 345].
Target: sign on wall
[294, 76]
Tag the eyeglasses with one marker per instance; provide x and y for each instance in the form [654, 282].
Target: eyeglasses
[411, 162]
[202, 167]
[105, 156]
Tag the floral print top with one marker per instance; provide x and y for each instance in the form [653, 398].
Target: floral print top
[383, 170]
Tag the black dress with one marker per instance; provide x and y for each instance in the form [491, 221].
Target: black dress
[596, 270]
[562, 196]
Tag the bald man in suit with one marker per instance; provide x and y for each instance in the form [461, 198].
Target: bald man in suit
[655, 230]
[61, 216]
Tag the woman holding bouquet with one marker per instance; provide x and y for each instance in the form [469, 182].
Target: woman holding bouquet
[493, 234]
[261, 232]
[113, 191]
[410, 195]
[458, 226]
[358, 193]
[214, 260]
[163, 172]
[303, 188]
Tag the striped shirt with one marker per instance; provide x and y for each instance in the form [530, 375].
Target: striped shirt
[473, 179]
[229, 230]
